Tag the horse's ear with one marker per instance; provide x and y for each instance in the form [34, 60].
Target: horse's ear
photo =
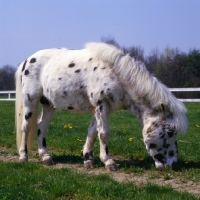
[162, 108]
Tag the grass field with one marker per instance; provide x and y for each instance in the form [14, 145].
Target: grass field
[65, 139]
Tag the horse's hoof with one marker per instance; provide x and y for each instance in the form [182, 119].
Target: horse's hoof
[112, 168]
[47, 160]
[23, 159]
[88, 164]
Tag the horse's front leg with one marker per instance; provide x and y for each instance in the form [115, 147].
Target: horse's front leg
[43, 123]
[101, 115]
[88, 147]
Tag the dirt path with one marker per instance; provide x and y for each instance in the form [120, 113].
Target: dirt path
[175, 182]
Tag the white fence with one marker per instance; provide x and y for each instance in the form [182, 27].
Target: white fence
[9, 93]
[12, 92]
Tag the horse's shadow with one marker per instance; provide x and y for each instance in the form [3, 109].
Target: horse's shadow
[146, 164]
[182, 164]
[67, 159]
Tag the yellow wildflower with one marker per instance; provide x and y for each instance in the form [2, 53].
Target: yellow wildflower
[69, 125]
[130, 139]
[141, 158]
[197, 125]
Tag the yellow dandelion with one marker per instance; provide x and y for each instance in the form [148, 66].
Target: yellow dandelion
[79, 140]
[197, 125]
[65, 126]
[130, 139]
[69, 125]
[141, 158]
[186, 162]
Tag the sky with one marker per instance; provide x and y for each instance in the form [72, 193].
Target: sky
[28, 26]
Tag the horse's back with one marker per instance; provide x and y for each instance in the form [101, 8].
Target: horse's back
[73, 80]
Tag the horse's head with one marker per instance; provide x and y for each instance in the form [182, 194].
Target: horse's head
[160, 138]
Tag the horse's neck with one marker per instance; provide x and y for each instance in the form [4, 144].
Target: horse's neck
[141, 111]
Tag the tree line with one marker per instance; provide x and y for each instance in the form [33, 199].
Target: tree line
[172, 67]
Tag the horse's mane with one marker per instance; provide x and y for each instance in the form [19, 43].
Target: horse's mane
[137, 79]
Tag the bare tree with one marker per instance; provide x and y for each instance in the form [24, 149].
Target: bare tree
[110, 40]
[152, 60]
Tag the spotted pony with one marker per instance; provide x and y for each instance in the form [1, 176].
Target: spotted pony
[99, 79]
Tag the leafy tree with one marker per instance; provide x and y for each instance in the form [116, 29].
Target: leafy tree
[7, 81]
[193, 69]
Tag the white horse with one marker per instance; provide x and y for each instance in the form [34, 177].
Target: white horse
[99, 79]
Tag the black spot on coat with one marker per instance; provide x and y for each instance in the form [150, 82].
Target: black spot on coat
[152, 145]
[171, 153]
[24, 65]
[159, 157]
[88, 156]
[28, 116]
[106, 149]
[170, 134]
[71, 64]
[33, 60]
[166, 146]
[44, 143]
[44, 100]
[26, 149]
[99, 102]
[26, 72]
[28, 96]
[94, 68]
[162, 136]
[39, 132]
[101, 108]
[77, 71]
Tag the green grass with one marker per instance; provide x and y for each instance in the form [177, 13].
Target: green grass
[32, 181]
[65, 139]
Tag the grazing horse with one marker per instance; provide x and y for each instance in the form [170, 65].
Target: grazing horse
[99, 79]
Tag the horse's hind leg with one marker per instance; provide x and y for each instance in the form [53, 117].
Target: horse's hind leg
[101, 115]
[29, 117]
[43, 123]
[88, 147]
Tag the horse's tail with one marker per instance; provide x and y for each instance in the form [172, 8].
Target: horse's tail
[19, 107]
[138, 82]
